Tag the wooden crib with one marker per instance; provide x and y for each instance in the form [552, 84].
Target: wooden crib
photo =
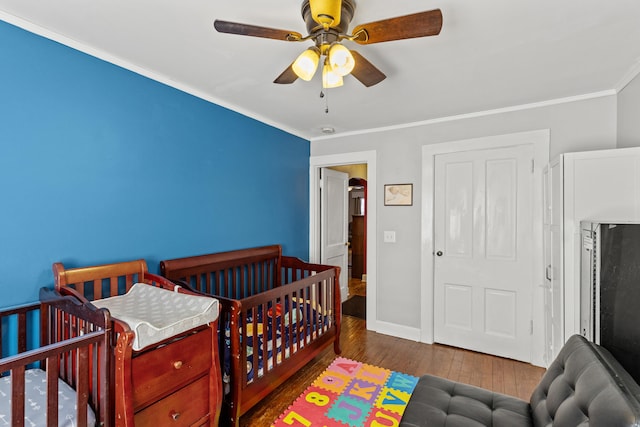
[269, 301]
[176, 381]
[72, 359]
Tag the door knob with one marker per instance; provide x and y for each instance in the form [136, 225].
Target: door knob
[439, 253]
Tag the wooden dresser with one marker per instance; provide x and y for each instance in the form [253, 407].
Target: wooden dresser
[178, 384]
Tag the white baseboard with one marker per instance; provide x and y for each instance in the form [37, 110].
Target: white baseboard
[397, 331]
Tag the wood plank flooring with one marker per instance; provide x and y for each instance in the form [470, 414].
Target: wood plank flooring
[494, 373]
[357, 287]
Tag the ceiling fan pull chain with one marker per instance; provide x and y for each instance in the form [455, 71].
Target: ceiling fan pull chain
[326, 103]
[326, 100]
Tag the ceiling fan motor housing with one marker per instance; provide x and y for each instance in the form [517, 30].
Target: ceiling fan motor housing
[346, 11]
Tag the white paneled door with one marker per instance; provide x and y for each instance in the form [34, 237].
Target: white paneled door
[334, 224]
[483, 250]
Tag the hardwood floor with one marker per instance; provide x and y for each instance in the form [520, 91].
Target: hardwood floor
[357, 287]
[494, 373]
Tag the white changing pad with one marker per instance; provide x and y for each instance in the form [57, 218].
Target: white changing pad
[155, 314]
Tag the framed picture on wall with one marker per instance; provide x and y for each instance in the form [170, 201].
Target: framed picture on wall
[398, 194]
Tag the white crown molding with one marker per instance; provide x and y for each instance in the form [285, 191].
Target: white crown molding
[551, 102]
[631, 74]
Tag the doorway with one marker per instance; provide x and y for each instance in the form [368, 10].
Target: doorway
[350, 160]
[357, 219]
[355, 300]
[357, 236]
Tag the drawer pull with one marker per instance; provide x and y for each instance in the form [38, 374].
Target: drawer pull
[177, 364]
[175, 415]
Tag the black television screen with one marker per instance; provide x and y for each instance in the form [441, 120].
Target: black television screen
[620, 294]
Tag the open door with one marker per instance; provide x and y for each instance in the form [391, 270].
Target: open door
[334, 223]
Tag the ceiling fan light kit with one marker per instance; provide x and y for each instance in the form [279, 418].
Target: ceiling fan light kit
[327, 22]
[330, 79]
[306, 64]
[340, 59]
[338, 63]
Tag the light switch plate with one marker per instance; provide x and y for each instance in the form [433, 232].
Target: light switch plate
[389, 237]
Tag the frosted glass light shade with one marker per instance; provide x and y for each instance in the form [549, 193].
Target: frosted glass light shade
[306, 64]
[330, 79]
[341, 59]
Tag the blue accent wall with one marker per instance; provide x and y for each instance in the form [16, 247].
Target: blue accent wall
[99, 164]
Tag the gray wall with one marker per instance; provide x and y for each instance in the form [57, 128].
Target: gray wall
[574, 126]
[629, 114]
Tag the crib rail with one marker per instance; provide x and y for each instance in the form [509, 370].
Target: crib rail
[78, 356]
[103, 281]
[233, 274]
[307, 320]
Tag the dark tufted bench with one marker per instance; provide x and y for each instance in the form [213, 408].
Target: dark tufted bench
[584, 386]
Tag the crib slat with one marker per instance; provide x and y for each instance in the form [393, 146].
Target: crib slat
[267, 275]
[17, 396]
[265, 343]
[272, 338]
[198, 281]
[207, 283]
[285, 320]
[242, 288]
[305, 315]
[52, 391]
[113, 286]
[129, 282]
[243, 356]
[299, 299]
[97, 289]
[235, 286]
[220, 290]
[22, 332]
[82, 385]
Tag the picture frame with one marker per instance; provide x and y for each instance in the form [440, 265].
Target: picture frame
[398, 194]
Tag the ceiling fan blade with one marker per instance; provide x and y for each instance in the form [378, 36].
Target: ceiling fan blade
[255, 31]
[419, 24]
[288, 76]
[365, 71]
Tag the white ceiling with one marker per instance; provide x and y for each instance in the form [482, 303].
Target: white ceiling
[490, 55]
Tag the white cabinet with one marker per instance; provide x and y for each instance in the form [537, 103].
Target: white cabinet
[599, 185]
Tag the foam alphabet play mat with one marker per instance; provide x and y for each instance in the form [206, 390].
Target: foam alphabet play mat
[353, 394]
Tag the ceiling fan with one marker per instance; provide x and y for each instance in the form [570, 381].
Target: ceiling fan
[327, 23]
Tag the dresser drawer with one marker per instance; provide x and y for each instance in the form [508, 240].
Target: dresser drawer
[164, 370]
[185, 407]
